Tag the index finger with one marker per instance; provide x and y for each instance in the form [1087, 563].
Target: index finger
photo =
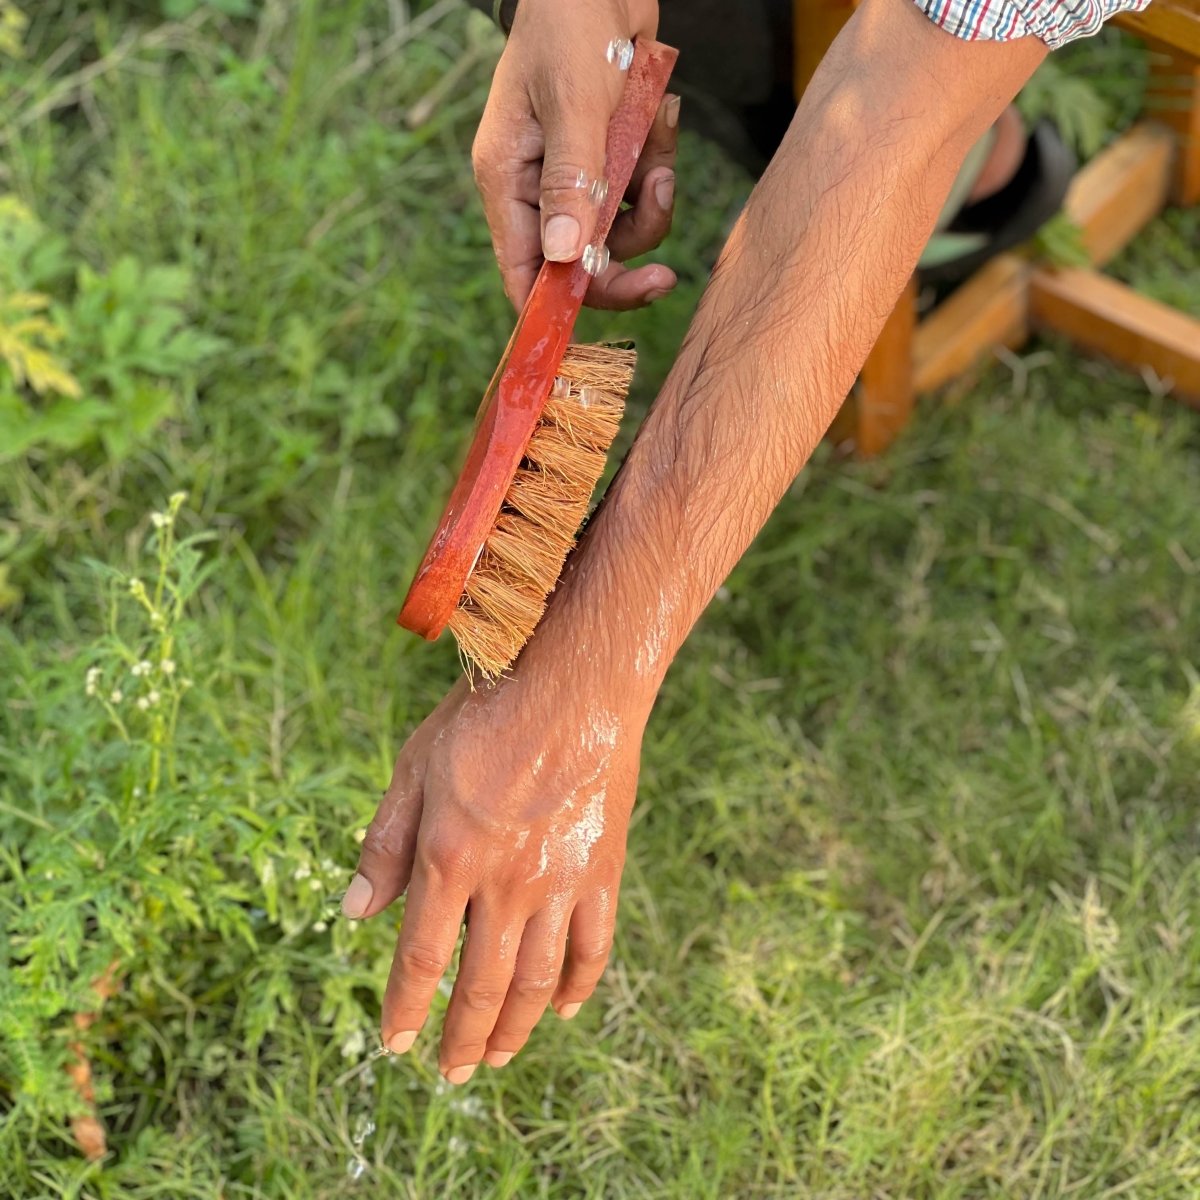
[509, 190]
[432, 921]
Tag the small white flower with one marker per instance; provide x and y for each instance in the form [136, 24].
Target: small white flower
[158, 520]
[136, 586]
[315, 885]
[91, 680]
[143, 703]
[319, 926]
[303, 871]
[116, 696]
[360, 836]
[153, 697]
[168, 666]
[177, 498]
[142, 668]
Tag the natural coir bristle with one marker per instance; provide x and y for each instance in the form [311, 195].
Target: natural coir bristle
[546, 504]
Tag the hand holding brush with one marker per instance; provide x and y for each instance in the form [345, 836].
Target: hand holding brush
[546, 422]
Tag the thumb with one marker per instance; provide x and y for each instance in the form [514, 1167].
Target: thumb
[575, 126]
[386, 859]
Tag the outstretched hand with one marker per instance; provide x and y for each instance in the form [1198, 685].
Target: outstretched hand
[508, 810]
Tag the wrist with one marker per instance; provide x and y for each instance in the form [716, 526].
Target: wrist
[590, 646]
[618, 615]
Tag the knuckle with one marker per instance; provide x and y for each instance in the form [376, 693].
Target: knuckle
[448, 858]
[482, 997]
[422, 963]
[561, 180]
[384, 837]
[535, 985]
[555, 91]
[592, 953]
[481, 159]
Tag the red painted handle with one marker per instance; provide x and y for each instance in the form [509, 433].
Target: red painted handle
[518, 391]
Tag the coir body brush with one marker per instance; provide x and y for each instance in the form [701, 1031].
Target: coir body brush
[544, 428]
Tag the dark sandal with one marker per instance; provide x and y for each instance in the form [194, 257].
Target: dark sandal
[1011, 216]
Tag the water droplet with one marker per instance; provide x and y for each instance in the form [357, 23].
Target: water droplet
[363, 1128]
[355, 1169]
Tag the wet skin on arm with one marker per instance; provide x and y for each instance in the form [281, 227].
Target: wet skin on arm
[510, 805]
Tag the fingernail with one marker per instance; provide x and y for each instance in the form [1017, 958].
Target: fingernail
[358, 895]
[672, 113]
[561, 239]
[460, 1075]
[657, 294]
[402, 1042]
[664, 191]
[498, 1058]
[569, 1010]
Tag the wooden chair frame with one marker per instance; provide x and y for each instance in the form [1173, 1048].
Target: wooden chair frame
[1157, 162]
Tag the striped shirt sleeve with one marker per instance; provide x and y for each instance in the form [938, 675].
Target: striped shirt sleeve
[1055, 22]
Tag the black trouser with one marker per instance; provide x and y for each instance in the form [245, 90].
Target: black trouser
[734, 71]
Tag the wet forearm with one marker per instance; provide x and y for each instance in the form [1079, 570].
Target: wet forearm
[808, 276]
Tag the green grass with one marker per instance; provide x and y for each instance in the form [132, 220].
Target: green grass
[912, 906]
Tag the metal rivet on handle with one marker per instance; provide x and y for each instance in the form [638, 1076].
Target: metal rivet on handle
[620, 51]
[595, 259]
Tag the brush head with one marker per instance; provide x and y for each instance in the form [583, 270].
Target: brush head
[544, 507]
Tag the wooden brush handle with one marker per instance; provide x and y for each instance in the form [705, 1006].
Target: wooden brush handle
[521, 385]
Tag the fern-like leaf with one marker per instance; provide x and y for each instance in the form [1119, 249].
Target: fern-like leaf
[25, 342]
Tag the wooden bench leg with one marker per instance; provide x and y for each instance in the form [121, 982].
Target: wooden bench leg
[885, 383]
[1174, 99]
[1111, 319]
[815, 23]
